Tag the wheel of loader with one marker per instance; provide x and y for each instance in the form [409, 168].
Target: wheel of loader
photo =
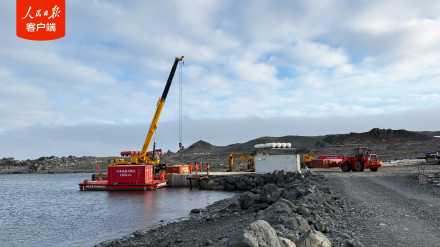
[374, 169]
[359, 166]
[346, 167]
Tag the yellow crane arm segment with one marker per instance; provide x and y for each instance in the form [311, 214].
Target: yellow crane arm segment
[143, 157]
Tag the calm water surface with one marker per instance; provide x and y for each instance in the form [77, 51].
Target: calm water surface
[50, 210]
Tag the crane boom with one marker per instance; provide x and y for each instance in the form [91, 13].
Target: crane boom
[143, 157]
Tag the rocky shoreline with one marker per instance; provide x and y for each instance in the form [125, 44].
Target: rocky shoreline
[278, 209]
[52, 164]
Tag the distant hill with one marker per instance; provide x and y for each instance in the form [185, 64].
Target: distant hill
[298, 142]
[431, 133]
[202, 147]
[375, 135]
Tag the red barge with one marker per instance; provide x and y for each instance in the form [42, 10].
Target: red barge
[126, 177]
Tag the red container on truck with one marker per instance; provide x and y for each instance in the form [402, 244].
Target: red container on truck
[325, 163]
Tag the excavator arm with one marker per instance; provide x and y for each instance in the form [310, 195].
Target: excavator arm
[251, 164]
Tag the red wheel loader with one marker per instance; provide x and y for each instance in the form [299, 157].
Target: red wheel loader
[360, 160]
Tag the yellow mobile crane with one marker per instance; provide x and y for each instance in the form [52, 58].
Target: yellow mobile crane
[144, 157]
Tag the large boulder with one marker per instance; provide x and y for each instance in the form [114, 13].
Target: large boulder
[247, 199]
[297, 223]
[289, 203]
[276, 213]
[270, 193]
[285, 242]
[207, 185]
[313, 238]
[279, 176]
[240, 184]
[258, 233]
[303, 211]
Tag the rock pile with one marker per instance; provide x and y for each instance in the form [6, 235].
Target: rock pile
[50, 164]
[278, 209]
[292, 209]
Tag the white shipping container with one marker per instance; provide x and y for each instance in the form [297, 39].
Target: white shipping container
[271, 163]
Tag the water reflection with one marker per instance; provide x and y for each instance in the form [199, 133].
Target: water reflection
[32, 206]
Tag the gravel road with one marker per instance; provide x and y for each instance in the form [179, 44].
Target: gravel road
[389, 207]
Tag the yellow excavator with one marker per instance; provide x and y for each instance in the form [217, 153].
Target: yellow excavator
[306, 161]
[144, 157]
[251, 162]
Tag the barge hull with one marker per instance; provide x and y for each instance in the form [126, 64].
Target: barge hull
[103, 185]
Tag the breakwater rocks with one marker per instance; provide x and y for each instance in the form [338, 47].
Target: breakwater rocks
[51, 164]
[278, 209]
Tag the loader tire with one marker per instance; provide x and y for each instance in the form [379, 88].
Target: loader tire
[359, 166]
[374, 169]
[346, 167]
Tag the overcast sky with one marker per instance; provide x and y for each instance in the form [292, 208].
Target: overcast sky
[252, 69]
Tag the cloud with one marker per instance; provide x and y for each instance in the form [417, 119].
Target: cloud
[317, 55]
[22, 103]
[256, 72]
[243, 60]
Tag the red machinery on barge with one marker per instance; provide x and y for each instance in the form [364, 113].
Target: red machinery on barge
[126, 177]
[137, 174]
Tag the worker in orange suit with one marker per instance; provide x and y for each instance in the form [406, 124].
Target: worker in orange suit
[197, 168]
[162, 176]
[200, 166]
[207, 169]
[190, 168]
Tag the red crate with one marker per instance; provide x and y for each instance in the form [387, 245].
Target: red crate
[177, 169]
[130, 174]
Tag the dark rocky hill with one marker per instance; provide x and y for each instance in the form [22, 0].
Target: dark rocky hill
[298, 142]
[202, 147]
[375, 135]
